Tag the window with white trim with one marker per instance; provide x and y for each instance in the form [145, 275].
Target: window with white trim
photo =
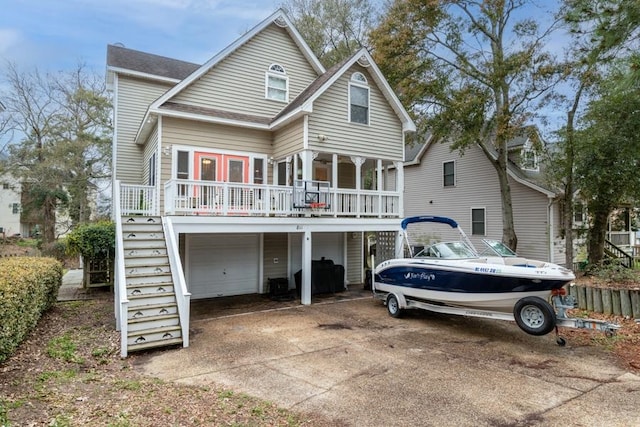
[478, 224]
[359, 99]
[449, 174]
[529, 159]
[152, 170]
[15, 208]
[277, 83]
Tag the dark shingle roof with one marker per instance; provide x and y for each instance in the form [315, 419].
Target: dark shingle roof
[134, 60]
[212, 112]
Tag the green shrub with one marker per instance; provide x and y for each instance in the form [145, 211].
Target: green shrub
[92, 241]
[28, 288]
[57, 249]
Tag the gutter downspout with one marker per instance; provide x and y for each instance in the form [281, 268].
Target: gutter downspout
[550, 227]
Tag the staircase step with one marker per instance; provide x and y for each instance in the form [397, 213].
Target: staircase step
[155, 227]
[155, 337]
[148, 261]
[153, 322]
[147, 270]
[143, 300]
[136, 219]
[143, 252]
[146, 310]
[129, 245]
[149, 289]
[142, 235]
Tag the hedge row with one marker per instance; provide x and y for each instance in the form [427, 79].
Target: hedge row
[28, 287]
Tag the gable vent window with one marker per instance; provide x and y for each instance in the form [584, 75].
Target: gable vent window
[529, 159]
[359, 99]
[277, 83]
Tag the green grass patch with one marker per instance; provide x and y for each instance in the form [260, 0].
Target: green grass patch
[64, 348]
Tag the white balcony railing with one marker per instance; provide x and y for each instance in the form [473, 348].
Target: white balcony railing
[185, 197]
[138, 200]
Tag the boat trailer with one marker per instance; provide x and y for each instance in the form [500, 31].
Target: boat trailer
[533, 315]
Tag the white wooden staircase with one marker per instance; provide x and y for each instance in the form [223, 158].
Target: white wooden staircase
[152, 311]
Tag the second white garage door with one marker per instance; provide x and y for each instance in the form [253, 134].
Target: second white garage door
[222, 264]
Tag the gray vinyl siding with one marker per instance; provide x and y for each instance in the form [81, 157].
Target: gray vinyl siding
[288, 140]
[381, 138]
[476, 186]
[237, 83]
[150, 147]
[133, 99]
[531, 221]
[275, 247]
[212, 137]
[354, 259]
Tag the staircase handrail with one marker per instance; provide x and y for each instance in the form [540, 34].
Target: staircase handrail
[619, 253]
[121, 301]
[183, 296]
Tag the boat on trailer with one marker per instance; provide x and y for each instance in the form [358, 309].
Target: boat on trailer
[453, 277]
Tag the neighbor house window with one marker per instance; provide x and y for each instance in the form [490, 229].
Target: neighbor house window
[449, 174]
[478, 227]
[578, 213]
[358, 99]
[15, 208]
[529, 159]
[5, 186]
[277, 83]
[152, 170]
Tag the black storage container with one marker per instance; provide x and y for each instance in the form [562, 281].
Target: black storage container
[278, 286]
[326, 277]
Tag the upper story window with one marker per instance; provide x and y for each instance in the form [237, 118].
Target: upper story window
[359, 99]
[449, 174]
[528, 157]
[277, 83]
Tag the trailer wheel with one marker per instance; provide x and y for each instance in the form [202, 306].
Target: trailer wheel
[393, 307]
[534, 315]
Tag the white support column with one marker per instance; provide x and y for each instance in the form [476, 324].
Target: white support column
[305, 295]
[307, 157]
[358, 161]
[334, 183]
[400, 186]
[379, 186]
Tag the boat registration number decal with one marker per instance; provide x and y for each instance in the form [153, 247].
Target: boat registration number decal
[488, 270]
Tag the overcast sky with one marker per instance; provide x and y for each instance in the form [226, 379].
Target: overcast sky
[56, 35]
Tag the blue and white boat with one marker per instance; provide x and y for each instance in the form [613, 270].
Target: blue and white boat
[455, 274]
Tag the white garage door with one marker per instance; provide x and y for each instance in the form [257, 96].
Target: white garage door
[222, 264]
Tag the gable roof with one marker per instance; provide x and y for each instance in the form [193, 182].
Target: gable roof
[279, 18]
[134, 62]
[515, 172]
[304, 101]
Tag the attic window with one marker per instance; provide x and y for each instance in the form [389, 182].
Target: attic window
[277, 83]
[529, 159]
[358, 99]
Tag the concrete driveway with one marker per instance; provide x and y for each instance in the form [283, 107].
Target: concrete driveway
[351, 362]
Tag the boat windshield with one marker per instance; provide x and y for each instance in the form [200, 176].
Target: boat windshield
[495, 247]
[447, 250]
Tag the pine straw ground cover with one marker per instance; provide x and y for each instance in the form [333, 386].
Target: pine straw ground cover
[69, 373]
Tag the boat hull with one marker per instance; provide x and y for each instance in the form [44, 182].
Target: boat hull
[468, 284]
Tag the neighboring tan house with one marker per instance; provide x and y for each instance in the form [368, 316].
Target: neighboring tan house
[439, 181]
[249, 168]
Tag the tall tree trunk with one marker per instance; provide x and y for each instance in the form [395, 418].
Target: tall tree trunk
[597, 235]
[509, 237]
[49, 219]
